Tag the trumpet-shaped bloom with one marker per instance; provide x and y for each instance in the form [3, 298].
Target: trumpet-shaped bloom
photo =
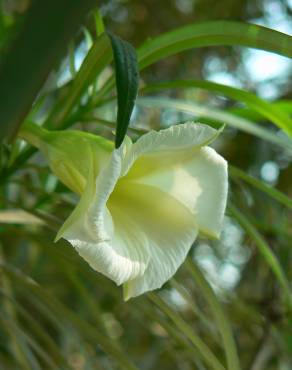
[142, 208]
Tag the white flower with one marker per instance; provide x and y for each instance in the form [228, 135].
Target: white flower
[140, 212]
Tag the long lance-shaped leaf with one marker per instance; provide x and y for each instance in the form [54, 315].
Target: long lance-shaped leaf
[283, 105]
[196, 310]
[127, 79]
[266, 109]
[22, 351]
[264, 249]
[36, 50]
[277, 195]
[212, 33]
[151, 312]
[35, 327]
[219, 315]
[55, 305]
[181, 324]
[218, 116]
[98, 57]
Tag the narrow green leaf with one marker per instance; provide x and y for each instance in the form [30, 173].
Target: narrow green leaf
[264, 108]
[19, 161]
[127, 80]
[219, 315]
[96, 60]
[264, 249]
[99, 25]
[36, 328]
[285, 105]
[19, 346]
[214, 33]
[181, 324]
[219, 116]
[37, 48]
[30, 343]
[269, 190]
[72, 59]
[181, 340]
[194, 307]
[29, 285]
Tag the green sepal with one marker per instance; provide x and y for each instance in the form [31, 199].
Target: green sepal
[67, 153]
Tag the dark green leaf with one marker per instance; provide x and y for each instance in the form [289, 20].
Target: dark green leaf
[127, 79]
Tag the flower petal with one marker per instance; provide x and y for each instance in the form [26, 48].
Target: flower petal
[175, 141]
[167, 252]
[170, 230]
[199, 182]
[195, 176]
[118, 250]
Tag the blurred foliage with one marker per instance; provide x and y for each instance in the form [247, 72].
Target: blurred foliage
[55, 312]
